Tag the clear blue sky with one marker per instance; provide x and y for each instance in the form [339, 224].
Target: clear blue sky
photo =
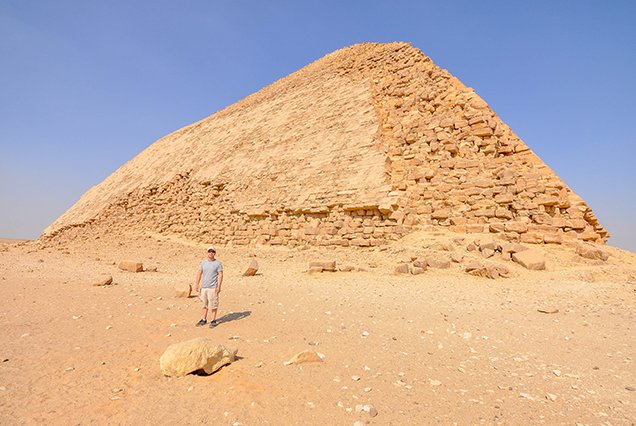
[87, 85]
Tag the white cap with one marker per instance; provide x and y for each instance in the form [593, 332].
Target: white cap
[211, 248]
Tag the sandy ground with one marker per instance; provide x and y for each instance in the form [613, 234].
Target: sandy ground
[438, 348]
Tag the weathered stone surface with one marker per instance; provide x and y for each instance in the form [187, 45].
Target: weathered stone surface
[305, 357]
[438, 262]
[591, 252]
[431, 152]
[182, 290]
[252, 269]
[315, 269]
[324, 265]
[415, 270]
[131, 266]
[402, 268]
[552, 238]
[512, 248]
[491, 271]
[517, 227]
[530, 259]
[102, 280]
[200, 354]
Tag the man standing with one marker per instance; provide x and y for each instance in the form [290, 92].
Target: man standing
[209, 280]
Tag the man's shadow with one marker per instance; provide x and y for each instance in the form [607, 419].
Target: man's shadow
[234, 316]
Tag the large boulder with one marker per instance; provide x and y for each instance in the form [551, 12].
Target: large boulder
[200, 354]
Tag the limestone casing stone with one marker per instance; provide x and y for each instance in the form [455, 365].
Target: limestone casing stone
[202, 353]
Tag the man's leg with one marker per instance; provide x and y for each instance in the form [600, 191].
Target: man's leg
[204, 310]
[214, 314]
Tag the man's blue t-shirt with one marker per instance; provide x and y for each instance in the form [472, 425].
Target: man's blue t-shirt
[210, 273]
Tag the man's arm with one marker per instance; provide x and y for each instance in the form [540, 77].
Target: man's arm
[198, 282]
[219, 282]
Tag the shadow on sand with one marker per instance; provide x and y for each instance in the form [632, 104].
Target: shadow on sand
[234, 316]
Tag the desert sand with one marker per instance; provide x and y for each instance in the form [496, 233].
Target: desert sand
[443, 347]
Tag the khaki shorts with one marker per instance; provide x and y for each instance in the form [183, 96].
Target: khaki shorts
[209, 298]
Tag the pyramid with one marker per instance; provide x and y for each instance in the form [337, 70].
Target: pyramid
[359, 148]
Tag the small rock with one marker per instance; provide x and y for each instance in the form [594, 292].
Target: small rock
[368, 408]
[548, 310]
[556, 373]
[315, 270]
[417, 270]
[402, 268]
[304, 357]
[355, 378]
[434, 382]
[630, 388]
[102, 280]
[252, 269]
[183, 290]
[328, 266]
[552, 397]
[131, 266]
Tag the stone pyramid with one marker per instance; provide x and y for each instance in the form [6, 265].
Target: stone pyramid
[361, 147]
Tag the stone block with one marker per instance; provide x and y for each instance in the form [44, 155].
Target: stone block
[182, 290]
[252, 269]
[552, 238]
[438, 262]
[530, 259]
[402, 268]
[131, 266]
[591, 252]
[325, 265]
[531, 238]
[417, 270]
[517, 227]
[486, 271]
[102, 280]
[441, 214]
